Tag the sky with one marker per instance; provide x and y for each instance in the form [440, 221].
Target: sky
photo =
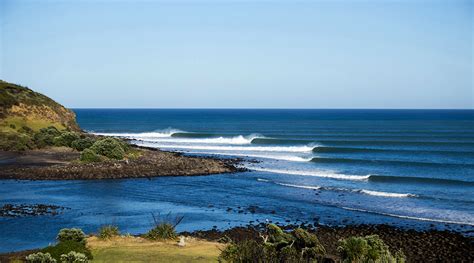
[241, 54]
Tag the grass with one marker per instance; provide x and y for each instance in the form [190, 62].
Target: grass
[33, 124]
[137, 249]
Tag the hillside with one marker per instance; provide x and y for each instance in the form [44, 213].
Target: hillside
[22, 108]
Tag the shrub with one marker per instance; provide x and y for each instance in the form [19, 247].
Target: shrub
[82, 144]
[26, 129]
[367, 249]
[71, 234]
[65, 139]
[162, 231]
[108, 231]
[247, 251]
[277, 246]
[89, 156]
[74, 257]
[15, 142]
[109, 147]
[64, 247]
[40, 258]
[45, 137]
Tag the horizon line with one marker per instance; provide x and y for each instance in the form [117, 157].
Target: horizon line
[146, 108]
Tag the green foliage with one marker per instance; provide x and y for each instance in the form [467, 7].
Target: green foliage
[277, 246]
[82, 144]
[89, 156]
[108, 231]
[65, 139]
[40, 258]
[45, 137]
[247, 251]
[71, 234]
[74, 257]
[109, 147]
[367, 249]
[15, 142]
[162, 231]
[64, 247]
[26, 130]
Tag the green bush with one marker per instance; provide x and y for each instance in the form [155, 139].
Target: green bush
[26, 129]
[65, 139]
[162, 231]
[71, 234]
[89, 156]
[74, 257]
[367, 249]
[82, 144]
[108, 231]
[15, 142]
[277, 246]
[109, 147]
[45, 137]
[40, 258]
[248, 251]
[64, 247]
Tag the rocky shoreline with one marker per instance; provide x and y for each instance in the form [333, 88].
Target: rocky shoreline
[418, 246]
[19, 210]
[59, 163]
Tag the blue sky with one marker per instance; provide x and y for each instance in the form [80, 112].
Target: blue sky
[241, 54]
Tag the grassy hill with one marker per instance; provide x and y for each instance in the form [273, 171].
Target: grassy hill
[20, 106]
[24, 112]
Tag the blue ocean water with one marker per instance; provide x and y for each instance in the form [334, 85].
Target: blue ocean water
[409, 168]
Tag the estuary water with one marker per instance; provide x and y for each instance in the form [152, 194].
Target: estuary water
[409, 168]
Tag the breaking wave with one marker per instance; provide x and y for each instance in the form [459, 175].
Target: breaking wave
[361, 191]
[314, 173]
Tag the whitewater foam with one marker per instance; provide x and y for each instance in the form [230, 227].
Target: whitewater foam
[300, 186]
[362, 191]
[313, 173]
[385, 194]
[301, 149]
[238, 140]
[409, 217]
[142, 135]
[274, 157]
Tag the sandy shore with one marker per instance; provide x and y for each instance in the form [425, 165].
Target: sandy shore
[62, 164]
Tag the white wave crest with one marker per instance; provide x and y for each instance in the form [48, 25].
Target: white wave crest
[300, 186]
[262, 180]
[385, 194]
[142, 135]
[313, 173]
[263, 156]
[301, 149]
[362, 191]
[219, 140]
[410, 217]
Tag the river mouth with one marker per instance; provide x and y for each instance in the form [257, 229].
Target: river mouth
[206, 202]
[408, 169]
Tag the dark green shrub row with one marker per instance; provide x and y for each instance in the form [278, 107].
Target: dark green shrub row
[15, 142]
[69, 240]
[367, 249]
[45, 137]
[277, 246]
[110, 148]
[66, 139]
[64, 247]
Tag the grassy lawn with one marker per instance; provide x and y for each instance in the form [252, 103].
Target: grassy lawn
[135, 249]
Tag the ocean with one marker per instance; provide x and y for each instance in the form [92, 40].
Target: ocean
[408, 168]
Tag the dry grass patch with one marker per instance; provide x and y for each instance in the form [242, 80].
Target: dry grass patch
[137, 249]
